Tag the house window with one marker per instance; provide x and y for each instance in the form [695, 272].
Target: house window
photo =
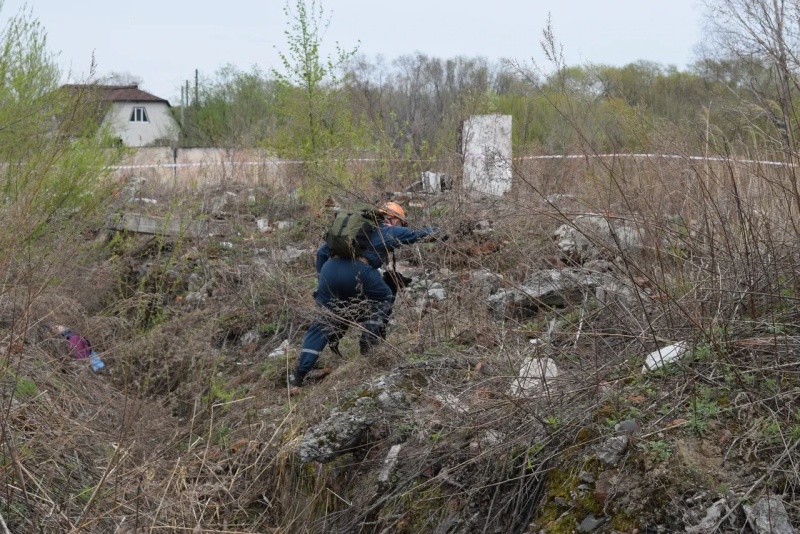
[139, 114]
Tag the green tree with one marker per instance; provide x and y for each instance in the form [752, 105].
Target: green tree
[315, 116]
[53, 161]
[234, 110]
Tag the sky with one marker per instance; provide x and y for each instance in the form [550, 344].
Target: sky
[163, 42]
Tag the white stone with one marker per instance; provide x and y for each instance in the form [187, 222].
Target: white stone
[713, 515]
[145, 200]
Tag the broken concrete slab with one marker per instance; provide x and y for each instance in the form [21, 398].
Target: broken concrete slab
[552, 288]
[589, 237]
[170, 226]
[536, 375]
[433, 182]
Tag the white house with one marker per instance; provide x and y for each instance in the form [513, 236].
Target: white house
[136, 117]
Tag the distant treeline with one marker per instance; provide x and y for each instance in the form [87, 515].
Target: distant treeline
[413, 107]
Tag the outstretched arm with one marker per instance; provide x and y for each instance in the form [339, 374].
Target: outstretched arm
[396, 236]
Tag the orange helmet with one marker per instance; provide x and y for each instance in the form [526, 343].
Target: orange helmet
[393, 209]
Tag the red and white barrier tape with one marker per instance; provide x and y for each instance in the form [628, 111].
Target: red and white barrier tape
[466, 157]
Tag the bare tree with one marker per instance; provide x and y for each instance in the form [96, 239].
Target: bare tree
[767, 31]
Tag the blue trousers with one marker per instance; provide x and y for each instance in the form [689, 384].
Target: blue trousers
[348, 292]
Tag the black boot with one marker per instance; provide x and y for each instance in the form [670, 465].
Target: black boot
[367, 343]
[295, 380]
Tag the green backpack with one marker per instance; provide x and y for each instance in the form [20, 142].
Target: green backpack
[348, 235]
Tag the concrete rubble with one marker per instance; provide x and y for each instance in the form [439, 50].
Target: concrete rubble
[712, 517]
[170, 226]
[558, 288]
[340, 433]
[389, 464]
[589, 237]
[769, 516]
[536, 376]
[611, 451]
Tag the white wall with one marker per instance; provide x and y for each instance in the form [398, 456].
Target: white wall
[161, 125]
[190, 166]
[487, 154]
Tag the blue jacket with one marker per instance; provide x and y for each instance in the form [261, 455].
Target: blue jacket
[382, 242]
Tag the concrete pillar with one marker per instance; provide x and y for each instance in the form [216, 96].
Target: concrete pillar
[487, 154]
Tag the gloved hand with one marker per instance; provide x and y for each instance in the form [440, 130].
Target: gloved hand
[438, 234]
[395, 280]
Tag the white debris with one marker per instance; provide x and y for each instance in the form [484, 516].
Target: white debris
[431, 182]
[437, 292]
[535, 375]
[281, 350]
[452, 402]
[389, 463]
[248, 338]
[490, 438]
[663, 356]
[263, 226]
[713, 514]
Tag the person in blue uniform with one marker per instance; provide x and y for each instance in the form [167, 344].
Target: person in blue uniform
[352, 290]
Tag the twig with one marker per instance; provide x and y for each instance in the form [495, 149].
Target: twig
[110, 468]
[3, 524]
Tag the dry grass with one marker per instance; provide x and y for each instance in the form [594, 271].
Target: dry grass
[193, 431]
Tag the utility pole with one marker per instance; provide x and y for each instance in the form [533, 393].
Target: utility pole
[196, 87]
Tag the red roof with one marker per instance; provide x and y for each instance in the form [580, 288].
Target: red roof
[118, 93]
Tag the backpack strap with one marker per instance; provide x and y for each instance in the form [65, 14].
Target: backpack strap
[344, 225]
